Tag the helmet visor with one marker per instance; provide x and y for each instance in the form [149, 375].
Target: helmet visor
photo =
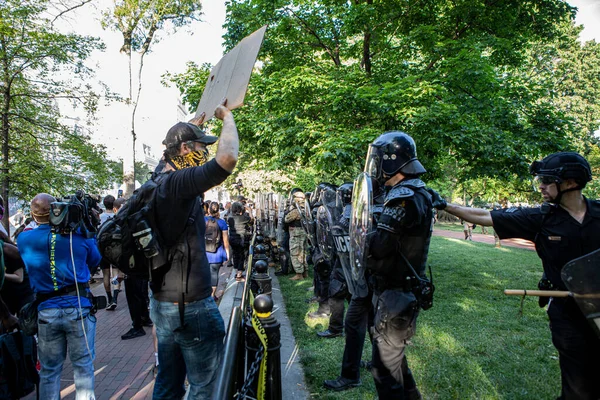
[373, 163]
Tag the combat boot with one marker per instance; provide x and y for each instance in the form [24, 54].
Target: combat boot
[297, 277]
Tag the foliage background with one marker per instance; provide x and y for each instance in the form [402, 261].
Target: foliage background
[484, 87]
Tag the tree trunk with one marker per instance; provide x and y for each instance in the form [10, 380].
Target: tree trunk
[5, 137]
[129, 158]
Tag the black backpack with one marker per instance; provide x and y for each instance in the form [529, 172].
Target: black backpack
[18, 357]
[115, 237]
[213, 237]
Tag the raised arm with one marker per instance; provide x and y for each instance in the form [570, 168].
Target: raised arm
[227, 152]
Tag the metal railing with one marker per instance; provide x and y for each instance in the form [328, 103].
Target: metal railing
[231, 374]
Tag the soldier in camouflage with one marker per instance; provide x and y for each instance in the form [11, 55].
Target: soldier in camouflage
[297, 236]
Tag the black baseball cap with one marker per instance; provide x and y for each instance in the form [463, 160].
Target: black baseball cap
[185, 132]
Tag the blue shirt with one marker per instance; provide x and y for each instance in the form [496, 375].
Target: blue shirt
[36, 247]
[220, 255]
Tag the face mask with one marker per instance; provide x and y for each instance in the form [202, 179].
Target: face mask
[192, 159]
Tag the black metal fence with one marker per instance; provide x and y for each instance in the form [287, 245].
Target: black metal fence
[247, 371]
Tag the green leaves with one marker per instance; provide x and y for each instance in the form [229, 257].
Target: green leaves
[40, 67]
[483, 87]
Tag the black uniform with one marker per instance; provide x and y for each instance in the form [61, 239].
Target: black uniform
[559, 238]
[403, 235]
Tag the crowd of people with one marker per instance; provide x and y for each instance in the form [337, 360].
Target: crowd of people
[378, 269]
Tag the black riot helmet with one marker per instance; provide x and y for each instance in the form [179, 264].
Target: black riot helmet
[562, 166]
[316, 195]
[391, 153]
[344, 194]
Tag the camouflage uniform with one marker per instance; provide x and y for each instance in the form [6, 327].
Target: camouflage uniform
[297, 241]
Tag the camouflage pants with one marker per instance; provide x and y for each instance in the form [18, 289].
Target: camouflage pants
[298, 249]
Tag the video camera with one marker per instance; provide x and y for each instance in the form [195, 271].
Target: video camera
[75, 213]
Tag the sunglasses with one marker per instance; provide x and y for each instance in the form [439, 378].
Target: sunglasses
[546, 180]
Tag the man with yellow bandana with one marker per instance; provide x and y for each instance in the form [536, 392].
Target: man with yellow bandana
[189, 327]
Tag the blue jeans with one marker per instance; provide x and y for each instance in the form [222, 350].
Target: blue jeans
[195, 350]
[59, 329]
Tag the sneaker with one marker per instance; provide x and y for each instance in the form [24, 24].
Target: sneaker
[147, 322]
[341, 383]
[133, 333]
[111, 307]
[327, 334]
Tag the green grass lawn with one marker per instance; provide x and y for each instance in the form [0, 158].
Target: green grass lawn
[472, 344]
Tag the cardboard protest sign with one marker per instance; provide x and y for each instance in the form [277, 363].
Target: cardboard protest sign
[229, 78]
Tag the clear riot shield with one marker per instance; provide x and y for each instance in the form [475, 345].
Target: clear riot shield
[361, 226]
[272, 215]
[582, 278]
[281, 204]
[307, 222]
[324, 223]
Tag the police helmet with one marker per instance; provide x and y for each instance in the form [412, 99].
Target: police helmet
[316, 195]
[184, 132]
[390, 153]
[562, 166]
[344, 194]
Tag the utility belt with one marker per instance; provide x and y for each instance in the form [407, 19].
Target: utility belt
[70, 290]
[406, 284]
[422, 288]
[98, 302]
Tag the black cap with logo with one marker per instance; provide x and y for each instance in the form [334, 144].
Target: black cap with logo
[184, 132]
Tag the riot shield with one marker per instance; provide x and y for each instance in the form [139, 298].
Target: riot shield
[281, 204]
[582, 278]
[272, 215]
[324, 223]
[361, 225]
[341, 240]
[307, 222]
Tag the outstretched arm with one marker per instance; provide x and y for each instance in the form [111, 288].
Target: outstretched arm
[477, 216]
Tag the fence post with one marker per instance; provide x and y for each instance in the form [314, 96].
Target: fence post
[263, 306]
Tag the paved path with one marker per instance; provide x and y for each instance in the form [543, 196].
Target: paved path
[478, 237]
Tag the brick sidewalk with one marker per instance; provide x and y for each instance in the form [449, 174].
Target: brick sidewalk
[123, 367]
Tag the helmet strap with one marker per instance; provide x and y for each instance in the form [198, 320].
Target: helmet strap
[559, 196]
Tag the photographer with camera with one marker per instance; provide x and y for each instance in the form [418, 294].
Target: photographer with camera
[58, 259]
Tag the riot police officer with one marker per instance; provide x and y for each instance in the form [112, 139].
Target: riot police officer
[333, 220]
[297, 242]
[360, 310]
[564, 228]
[398, 251]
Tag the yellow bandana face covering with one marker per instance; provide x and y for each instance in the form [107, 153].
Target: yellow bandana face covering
[192, 159]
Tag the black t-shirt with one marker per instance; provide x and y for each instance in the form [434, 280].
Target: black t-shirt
[558, 237]
[176, 198]
[16, 295]
[238, 226]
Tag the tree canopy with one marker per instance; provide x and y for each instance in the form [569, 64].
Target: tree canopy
[40, 67]
[483, 87]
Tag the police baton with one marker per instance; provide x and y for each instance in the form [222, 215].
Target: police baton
[550, 293]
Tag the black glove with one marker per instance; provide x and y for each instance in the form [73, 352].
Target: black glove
[437, 201]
